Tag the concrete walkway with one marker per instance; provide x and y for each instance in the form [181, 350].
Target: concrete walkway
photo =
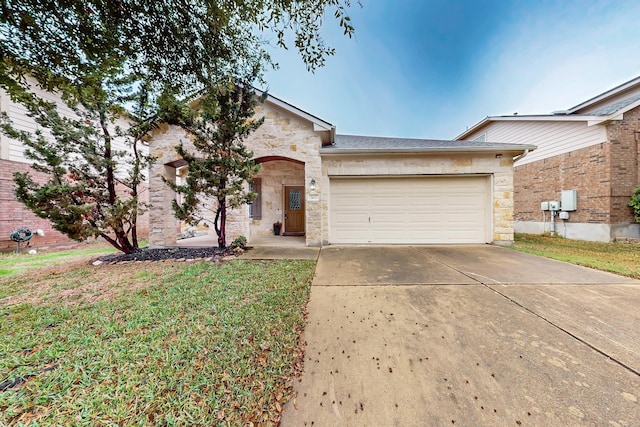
[467, 335]
[266, 247]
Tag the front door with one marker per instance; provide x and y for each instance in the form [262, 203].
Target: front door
[294, 211]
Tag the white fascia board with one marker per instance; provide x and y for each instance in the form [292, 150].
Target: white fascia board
[320, 128]
[536, 118]
[513, 149]
[472, 129]
[545, 118]
[611, 92]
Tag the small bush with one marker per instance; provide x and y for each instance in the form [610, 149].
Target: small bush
[635, 203]
[240, 242]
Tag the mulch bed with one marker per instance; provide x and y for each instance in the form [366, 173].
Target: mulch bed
[161, 254]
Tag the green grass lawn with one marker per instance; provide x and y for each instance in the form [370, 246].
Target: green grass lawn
[619, 258]
[164, 343]
[14, 263]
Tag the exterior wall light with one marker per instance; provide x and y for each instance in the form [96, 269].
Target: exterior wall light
[312, 184]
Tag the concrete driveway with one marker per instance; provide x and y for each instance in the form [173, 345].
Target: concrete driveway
[466, 335]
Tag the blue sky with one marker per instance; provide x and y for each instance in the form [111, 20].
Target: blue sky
[432, 68]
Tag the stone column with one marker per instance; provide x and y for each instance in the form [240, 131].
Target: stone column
[313, 201]
[162, 223]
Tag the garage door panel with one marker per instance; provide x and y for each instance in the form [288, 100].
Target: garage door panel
[409, 210]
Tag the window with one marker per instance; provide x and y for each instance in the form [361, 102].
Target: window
[255, 208]
[481, 138]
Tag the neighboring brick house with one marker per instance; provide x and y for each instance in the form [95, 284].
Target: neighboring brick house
[591, 148]
[14, 214]
[345, 189]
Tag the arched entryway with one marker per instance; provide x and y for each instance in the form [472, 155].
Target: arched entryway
[280, 206]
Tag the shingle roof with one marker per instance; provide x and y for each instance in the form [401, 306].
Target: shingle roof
[610, 109]
[358, 143]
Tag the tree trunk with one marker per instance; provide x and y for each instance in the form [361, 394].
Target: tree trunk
[222, 235]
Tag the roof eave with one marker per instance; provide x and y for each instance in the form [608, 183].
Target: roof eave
[318, 123]
[517, 149]
[604, 95]
[473, 128]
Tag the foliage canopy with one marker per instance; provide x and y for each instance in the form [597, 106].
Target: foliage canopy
[219, 164]
[112, 59]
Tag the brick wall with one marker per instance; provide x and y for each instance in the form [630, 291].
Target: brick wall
[624, 164]
[14, 214]
[604, 176]
[586, 170]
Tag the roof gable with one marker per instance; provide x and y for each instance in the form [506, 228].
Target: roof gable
[319, 125]
[601, 109]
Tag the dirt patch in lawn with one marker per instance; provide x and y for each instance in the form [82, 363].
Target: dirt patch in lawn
[93, 279]
[44, 285]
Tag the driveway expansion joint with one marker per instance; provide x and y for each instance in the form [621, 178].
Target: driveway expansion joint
[575, 337]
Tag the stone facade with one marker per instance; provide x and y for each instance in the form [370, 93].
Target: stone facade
[275, 175]
[499, 169]
[286, 146]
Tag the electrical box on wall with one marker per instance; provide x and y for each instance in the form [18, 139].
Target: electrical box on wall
[544, 206]
[564, 215]
[554, 205]
[569, 200]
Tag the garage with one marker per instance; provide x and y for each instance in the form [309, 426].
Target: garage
[406, 210]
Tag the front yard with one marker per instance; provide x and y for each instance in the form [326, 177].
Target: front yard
[173, 343]
[620, 258]
[166, 343]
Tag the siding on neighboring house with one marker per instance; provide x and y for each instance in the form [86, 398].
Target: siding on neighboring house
[551, 138]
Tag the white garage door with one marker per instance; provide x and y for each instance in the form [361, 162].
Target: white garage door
[410, 210]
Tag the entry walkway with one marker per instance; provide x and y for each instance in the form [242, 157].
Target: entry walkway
[267, 247]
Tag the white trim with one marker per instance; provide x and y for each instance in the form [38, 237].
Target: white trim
[318, 124]
[542, 118]
[515, 149]
[611, 92]
[4, 140]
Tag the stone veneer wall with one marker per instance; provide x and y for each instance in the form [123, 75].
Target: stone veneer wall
[433, 164]
[282, 134]
[285, 135]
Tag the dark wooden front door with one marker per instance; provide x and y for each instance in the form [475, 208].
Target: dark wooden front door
[294, 211]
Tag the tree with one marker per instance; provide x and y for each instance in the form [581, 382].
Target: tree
[92, 187]
[101, 56]
[221, 166]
